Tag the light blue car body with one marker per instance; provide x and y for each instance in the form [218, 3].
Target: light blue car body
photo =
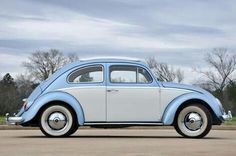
[49, 91]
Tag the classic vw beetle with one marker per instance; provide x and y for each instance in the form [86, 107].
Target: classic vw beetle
[117, 92]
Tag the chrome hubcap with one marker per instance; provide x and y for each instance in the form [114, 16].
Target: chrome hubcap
[193, 121]
[57, 121]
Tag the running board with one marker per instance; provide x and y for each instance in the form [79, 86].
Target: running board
[123, 124]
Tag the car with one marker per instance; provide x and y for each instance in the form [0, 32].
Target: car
[117, 93]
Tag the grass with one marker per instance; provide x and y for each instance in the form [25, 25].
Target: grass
[2, 120]
[232, 122]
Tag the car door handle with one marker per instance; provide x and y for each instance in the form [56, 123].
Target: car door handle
[112, 90]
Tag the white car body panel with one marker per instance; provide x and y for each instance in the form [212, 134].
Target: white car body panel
[168, 95]
[133, 104]
[92, 100]
[127, 104]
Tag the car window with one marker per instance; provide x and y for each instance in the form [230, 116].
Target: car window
[123, 74]
[91, 74]
[144, 76]
[129, 74]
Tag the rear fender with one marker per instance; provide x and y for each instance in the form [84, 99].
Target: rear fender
[49, 97]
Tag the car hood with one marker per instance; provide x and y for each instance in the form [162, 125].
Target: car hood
[186, 87]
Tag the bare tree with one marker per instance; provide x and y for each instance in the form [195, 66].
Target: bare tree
[165, 72]
[72, 57]
[222, 66]
[179, 75]
[42, 64]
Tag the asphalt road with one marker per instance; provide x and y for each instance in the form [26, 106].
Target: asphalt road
[112, 142]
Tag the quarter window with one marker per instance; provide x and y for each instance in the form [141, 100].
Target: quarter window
[129, 74]
[92, 74]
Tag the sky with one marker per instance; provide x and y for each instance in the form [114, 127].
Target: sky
[179, 33]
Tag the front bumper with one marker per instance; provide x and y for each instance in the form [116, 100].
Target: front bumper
[227, 117]
[13, 120]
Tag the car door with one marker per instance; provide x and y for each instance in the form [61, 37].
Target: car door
[132, 94]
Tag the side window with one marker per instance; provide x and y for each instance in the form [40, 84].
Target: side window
[129, 74]
[123, 74]
[144, 76]
[91, 74]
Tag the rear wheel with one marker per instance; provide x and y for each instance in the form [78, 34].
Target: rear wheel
[57, 121]
[193, 121]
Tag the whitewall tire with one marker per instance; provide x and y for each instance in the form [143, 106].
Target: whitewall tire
[57, 121]
[193, 121]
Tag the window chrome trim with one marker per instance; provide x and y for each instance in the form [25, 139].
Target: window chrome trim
[137, 68]
[87, 66]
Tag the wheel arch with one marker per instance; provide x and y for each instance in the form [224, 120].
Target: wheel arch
[51, 103]
[183, 101]
[215, 120]
[31, 115]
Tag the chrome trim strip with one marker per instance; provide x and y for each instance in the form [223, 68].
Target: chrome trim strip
[123, 123]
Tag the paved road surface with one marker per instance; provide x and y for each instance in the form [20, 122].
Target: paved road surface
[116, 142]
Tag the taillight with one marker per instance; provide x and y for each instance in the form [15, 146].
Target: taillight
[25, 104]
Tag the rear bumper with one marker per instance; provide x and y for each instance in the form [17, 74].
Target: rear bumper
[227, 117]
[14, 120]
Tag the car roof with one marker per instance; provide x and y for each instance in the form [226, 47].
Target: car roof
[105, 60]
[88, 61]
[111, 59]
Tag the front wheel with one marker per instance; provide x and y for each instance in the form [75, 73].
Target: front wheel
[57, 121]
[193, 121]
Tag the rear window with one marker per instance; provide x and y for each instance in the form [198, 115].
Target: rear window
[90, 74]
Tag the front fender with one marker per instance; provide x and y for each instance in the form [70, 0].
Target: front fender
[54, 96]
[171, 109]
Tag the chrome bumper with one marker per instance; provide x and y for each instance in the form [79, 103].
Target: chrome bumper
[228, 116]
[13, 120]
